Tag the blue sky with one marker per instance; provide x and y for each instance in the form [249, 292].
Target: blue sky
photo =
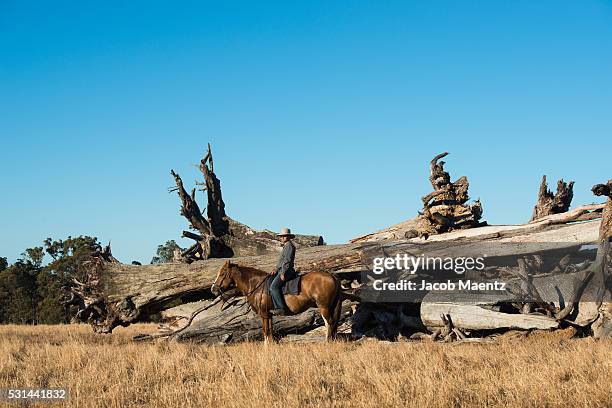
[323, 116]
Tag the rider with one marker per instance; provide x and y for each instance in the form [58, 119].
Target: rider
[284, 272]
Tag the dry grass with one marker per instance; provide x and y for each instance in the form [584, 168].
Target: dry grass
[111, 371]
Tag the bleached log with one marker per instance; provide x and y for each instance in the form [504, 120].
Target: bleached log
[235, 321]
[404, 229]
[476, 317]
[128, 293]
[183, 312]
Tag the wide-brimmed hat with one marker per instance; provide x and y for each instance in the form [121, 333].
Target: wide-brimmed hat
[285, 232]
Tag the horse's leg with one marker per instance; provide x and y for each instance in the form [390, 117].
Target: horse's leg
[264, 328]
[270, 330]
[331, 311]
[329, 322]
[337, 313]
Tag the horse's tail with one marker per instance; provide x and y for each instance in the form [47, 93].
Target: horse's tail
[337, 304]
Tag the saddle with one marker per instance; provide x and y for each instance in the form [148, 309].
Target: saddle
[291, 287]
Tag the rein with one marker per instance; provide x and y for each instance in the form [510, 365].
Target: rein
[246, 295]
[258, 285]
[261, 295]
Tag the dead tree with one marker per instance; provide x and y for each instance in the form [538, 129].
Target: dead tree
[115, 294]
[602, 327]
[605, 231]
[218, 235]
[549, 203]
[445, 209]
[118, 294]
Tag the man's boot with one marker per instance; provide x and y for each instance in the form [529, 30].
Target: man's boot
[278, 312]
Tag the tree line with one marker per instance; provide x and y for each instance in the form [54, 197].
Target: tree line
[31, 291]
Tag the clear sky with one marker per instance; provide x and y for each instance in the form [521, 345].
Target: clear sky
[323, 116]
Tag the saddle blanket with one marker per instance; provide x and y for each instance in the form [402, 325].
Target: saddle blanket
[291, 287]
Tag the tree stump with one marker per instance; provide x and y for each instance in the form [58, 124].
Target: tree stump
[549, 203]
[446, 209]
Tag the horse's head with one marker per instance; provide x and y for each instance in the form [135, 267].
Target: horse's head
[224, 280]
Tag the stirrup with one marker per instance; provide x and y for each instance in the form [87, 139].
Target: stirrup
[278, 312]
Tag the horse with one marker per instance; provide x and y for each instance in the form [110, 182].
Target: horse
[320, 289]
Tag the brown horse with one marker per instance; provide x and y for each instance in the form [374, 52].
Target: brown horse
[320, 289]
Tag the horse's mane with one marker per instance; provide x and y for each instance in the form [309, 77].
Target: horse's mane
[250, 270]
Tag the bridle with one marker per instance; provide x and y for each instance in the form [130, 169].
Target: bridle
[222, 292]
[218, 286]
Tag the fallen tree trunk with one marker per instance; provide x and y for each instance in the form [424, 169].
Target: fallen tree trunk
[235, 322]
[405, 229]
[116, 294]
[124, 293]
[476, 317]
[561, 292]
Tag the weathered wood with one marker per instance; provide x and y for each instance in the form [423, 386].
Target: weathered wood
[549, 203]
[189, 208]
[219, 235]
[602, 326]
[123, 294]
[176, 314]
[605, 232]
[116, 294]
[572, 296]
[215, 209]
[405, 229]
[191, 235]
[602, 323]
[475, 317]
[385, 320]
[446, 209]
[235, 321]
[246, 241]
[149, 279]
[448, 332]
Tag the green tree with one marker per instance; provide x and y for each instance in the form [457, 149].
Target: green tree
[165, 252]
[19, 293]
[34, 256]
[68, 260]
[31, 292]
[4, 294]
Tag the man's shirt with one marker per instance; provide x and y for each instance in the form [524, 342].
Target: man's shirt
[285, 262]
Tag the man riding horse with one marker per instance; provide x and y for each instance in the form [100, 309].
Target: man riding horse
[284, 272]
[317, 289]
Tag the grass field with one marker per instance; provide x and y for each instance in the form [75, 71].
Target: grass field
[546, 369]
